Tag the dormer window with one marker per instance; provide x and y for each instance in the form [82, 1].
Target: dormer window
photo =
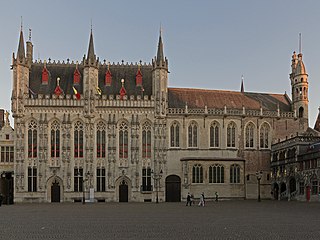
[76, 76]
[45, 75]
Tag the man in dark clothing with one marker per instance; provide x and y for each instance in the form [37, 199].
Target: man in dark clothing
[188, 199]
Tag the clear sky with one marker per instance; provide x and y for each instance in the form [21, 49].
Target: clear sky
[209, 43]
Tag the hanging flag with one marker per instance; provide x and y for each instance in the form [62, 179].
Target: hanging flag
[33, 94]
[99, 91]
[76, 93]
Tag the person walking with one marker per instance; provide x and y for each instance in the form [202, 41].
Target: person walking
[188, 199]
[202, 201]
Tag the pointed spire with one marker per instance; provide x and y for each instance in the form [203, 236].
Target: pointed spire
[317, 124]
[300, 50]
[21, 51]
[242, 84]
[91, 55]
[160, 55]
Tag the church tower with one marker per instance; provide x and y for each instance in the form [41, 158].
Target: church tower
[160, 80]
[299, 86]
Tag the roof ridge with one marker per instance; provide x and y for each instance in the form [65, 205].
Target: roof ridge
[224, 91]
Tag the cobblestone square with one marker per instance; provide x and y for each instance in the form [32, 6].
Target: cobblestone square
[223, 220]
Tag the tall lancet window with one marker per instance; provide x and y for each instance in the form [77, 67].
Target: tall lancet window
[78, 139]
[123, 140]
[146, 140]
[264, 136]
[214, 135]
[101, 140]
[193, 135]
[231, 135]
[249, 135]
[32, 140]
[174, 135]
[55, 140]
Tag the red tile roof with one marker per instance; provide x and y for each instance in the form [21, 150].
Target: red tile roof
[199, 98]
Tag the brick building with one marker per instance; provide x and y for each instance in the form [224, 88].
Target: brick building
[117, 131]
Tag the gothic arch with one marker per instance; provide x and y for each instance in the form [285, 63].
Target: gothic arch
[55, 119]
[193, 134]
[231, 134]
[50, 181]
[120, 181]
[122, 120]
[250, 135]
[265, 135]
[214, 134]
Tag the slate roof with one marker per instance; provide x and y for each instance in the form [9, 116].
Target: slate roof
[65, 73]
[199, 98]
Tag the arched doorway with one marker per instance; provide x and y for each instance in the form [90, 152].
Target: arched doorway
[292, 185]
[173, 188]
[283, 190]
[275, 191]
[55, 191]
[123, 191]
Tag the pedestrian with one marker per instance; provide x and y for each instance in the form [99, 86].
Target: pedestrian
[217, 196]
[202, 201]
[192, 198]
[1, 198]
[188, 199]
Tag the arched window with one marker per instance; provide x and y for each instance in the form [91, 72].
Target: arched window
[123, 140]
[101, 140]
[174, 135]
[193, 135]
[32, 140]
[55, 139]
[301, 112]
[216, 174]
[78, 139]
[197, 174]
[214, 135]
[231, 135]
[235, 173]
[264, 136]
[146, 140]
[249, 135]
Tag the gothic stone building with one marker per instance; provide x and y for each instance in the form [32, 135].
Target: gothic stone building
[6, 158]
[295, 165]
[116, 131]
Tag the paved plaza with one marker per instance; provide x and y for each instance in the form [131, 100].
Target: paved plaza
[246, 219]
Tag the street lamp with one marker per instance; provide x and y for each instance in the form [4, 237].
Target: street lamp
[157, 177]
[259, 176]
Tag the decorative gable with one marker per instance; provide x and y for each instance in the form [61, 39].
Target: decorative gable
[76, 76]
[139, 77]
[45, 74]
[108, 77]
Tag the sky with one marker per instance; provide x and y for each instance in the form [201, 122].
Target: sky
[209, 44]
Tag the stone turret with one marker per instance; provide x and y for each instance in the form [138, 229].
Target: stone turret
[160, 80]
[299, 85]
[20, 67]
[90, 73]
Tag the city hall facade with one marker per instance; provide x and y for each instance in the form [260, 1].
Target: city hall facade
[103, 131]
